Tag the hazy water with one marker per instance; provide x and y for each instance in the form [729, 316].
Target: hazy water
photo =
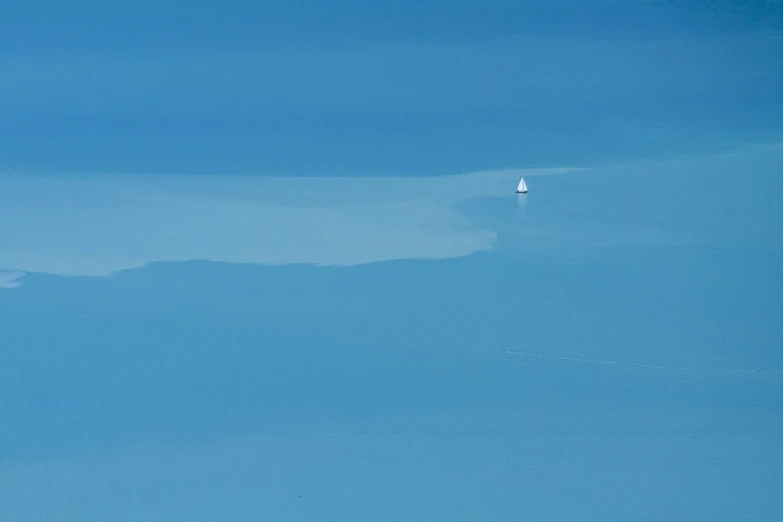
[257, 338]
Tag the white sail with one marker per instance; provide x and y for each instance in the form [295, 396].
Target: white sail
[522, 187]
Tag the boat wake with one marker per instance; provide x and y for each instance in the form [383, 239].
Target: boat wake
[630, 365]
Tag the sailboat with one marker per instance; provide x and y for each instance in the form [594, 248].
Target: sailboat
[522, 187]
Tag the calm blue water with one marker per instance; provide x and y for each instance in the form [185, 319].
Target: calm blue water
[285, 276]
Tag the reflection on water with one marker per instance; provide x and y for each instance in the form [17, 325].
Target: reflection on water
[522, 201]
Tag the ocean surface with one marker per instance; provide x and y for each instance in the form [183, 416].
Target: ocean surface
[266, 299]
